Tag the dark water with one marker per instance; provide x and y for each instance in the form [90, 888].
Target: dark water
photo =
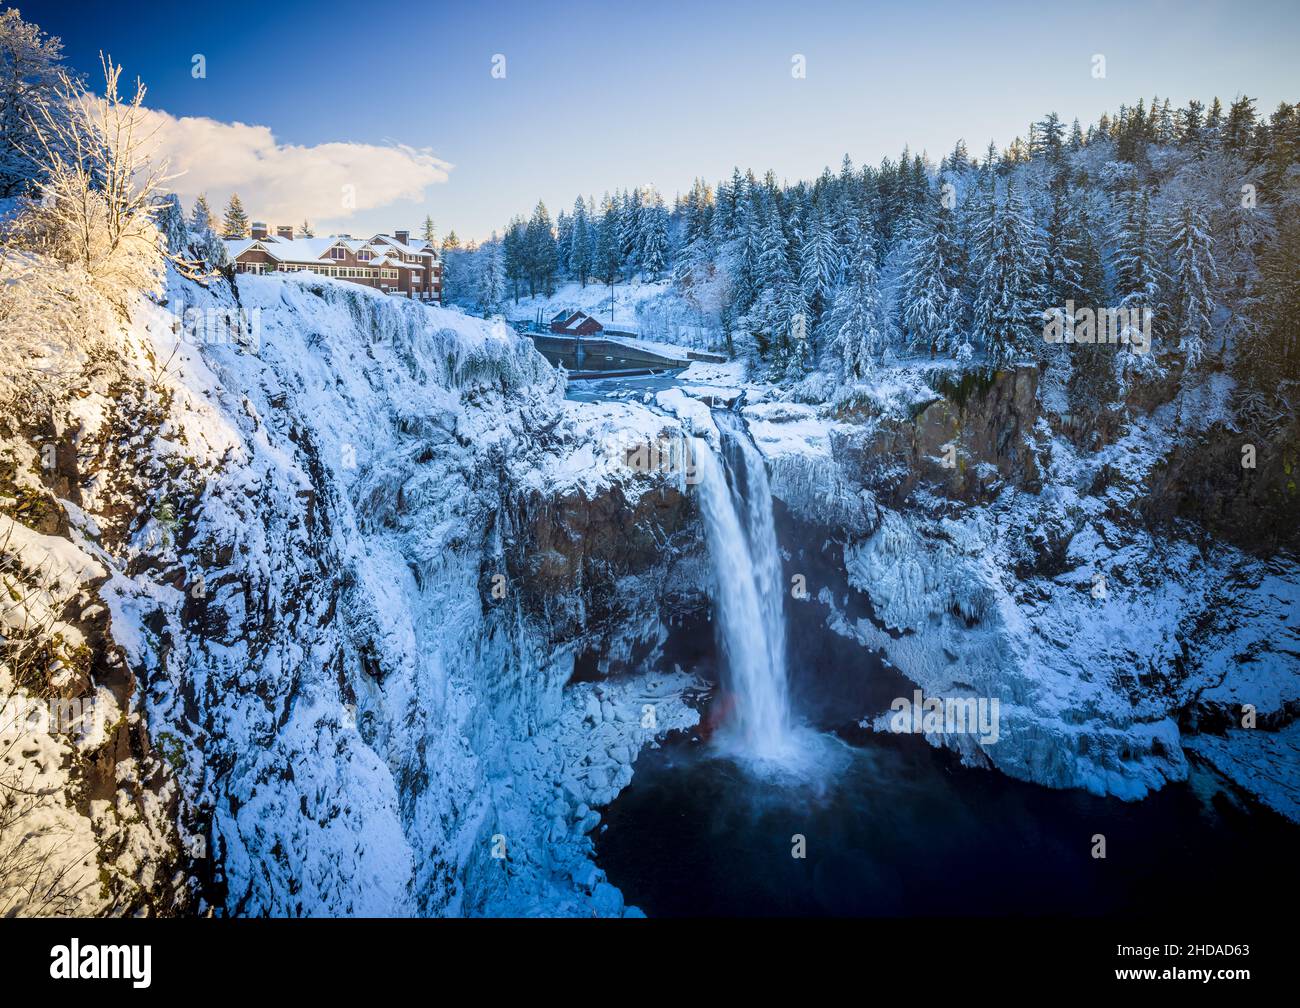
[593, 361]
[895, 827]
[903, 829]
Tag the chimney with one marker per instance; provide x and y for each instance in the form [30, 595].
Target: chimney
[258, 230]
[284, 231]
[403, 236]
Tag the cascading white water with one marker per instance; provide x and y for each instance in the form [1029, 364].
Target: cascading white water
[748, 596]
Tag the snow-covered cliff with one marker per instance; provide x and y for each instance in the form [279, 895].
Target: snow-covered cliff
[1019, 567]
[336, 646]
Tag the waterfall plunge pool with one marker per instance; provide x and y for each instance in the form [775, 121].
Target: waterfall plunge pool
[888, 825]
[899, 828]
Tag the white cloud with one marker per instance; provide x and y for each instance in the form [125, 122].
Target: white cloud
[287, 183]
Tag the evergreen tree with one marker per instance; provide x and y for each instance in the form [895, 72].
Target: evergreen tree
[428, 232]
[1137, 269]
[307, 231]
[653, 241]
[1010, 302]
[201, 219]
[1082, 277]
[492, 281]
[929, 287]
[236, 221]
[1049, 139]
[856, 330]
[748, 246]
[629, 230]
[1271, 354]
[563, 239]
[1240, 125]
[1191, 123]
[1193, 277]
[820, 264]
[206, 243]
[540, 251]
[513, 256]
[580, 244]
[605, 261]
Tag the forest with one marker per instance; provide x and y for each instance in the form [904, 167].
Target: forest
[1185, 216]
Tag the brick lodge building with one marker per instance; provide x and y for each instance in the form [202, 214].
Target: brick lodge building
[392, 263]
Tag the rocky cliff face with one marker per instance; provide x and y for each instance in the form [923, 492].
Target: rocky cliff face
[994, 558]
[334, 576]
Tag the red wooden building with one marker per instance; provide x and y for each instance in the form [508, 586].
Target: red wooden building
[575, 323]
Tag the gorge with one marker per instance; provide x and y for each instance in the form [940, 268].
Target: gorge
[383, 635]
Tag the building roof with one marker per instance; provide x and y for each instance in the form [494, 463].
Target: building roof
[417, 247]
[236, 247]
[574, 319]
[312, 250]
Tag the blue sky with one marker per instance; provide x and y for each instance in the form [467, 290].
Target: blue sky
[599, 96]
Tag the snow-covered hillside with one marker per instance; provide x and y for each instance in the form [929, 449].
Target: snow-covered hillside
[352, 693]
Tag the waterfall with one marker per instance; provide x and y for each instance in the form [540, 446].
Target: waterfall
[748, 589]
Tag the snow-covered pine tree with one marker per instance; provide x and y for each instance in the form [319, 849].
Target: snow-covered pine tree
[1192, 278]
[427, 232]
[779, 300]
[491, 277]
[201, 218]
[745, 269]
[1271, 354]
[580, 244]
[1242, 232]
[606, 258]
[1009, 301]
[540, 253]
[1082, 275]
[629, 230]
[856, 330]
[1080, 278]
[1138, 276]
[697, 214]
[820, 265]
[235, 224]
[652, 251]
[563, 238]
[513, 255]
[203, 235]
[930, 300]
